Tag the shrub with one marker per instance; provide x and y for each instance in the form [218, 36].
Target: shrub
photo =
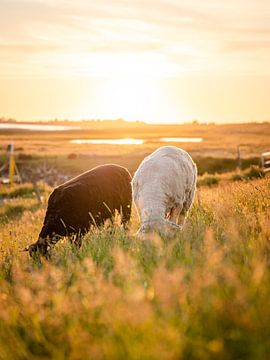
[72, 156]
[236, 177]
[16, 191]
[254, 172]
[208, 180]
[23, 156]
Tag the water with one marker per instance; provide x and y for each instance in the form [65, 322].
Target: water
[37, 127]
[181, 139]
[108, 141]
[131, 141]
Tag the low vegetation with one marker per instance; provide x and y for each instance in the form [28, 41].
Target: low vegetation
[208, 180]
[74, 163]
[251, 173]
[254, 172]
[203, 295]
[20, 191]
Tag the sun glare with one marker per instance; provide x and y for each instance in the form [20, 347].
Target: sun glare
[127, 86]
[128, 98]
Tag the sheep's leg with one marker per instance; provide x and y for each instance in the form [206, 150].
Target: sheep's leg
[178, 215]
[71, 239]
[175, 215]
[186, 207]
[78, 240]
[182, 217]
[183, 214]
[125, 215]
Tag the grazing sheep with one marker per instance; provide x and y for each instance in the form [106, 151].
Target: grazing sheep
[163, 190]
[88, 199]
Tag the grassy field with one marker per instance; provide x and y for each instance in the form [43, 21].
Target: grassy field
[216, 153]
[203, 295]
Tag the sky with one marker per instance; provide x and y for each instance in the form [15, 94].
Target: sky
[157, 61]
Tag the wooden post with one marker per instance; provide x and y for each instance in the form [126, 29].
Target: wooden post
[11, 171]
[37, 192]
[239, 160]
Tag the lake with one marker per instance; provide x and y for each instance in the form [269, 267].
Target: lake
[108, 141]
[181, 139]
[37, 127]
[130, 141]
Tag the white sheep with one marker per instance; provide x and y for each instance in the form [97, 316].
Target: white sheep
[163, 190]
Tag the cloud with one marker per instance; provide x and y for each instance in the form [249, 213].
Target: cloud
[27, 49]
[247, 46]
[192, 35]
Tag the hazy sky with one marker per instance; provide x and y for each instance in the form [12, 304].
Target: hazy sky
[152, 60]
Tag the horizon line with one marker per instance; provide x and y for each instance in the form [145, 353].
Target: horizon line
[142, 122]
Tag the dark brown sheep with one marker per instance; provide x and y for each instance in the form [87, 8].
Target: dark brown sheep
[88, 199]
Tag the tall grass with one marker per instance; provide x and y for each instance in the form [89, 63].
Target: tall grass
[203, 295]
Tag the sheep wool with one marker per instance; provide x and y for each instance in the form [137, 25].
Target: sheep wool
[163, 190]
[88, 199]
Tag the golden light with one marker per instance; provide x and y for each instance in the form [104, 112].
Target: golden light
[127, 85]
[129, 98]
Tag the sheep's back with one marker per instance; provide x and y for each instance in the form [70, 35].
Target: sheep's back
[93, 194]
[168, 170]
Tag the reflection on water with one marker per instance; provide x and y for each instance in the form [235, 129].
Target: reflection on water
[37, 127]
[131, 141]
[181, 139]
[108, 141]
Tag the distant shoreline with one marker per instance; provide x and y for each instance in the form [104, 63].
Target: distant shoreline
[120, 123]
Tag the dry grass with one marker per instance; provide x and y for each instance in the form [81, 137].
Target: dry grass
[217, 152]
[204, 295]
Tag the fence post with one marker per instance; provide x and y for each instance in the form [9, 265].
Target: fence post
[37, 192]
[239, 160]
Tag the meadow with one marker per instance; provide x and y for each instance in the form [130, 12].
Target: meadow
[202, 295]
[217, 153]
